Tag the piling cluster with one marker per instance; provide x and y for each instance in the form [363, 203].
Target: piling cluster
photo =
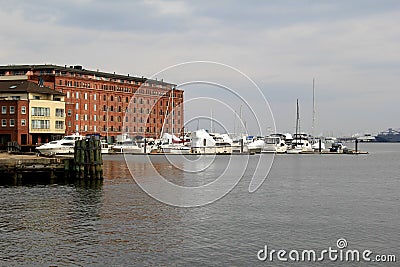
[88, 161]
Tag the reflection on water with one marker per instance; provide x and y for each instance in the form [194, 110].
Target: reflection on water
[307, 202]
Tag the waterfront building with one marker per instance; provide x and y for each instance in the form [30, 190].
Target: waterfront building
[100, 103]
[30, 114]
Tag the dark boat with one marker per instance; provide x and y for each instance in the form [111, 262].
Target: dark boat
[389, 136]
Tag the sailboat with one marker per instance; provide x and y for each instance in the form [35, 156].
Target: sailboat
[316, 143]
[300, 143]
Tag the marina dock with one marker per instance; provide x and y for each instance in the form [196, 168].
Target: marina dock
[23, 166]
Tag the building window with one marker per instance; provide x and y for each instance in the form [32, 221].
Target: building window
[104, 97]
[111, 98]
[94, 107]
[23, 122]
[69, 112]
[23, 110]
[85, 106]
[69, 124]
[77, 95]
[68, 95]
[95, 97]
[59, 125]
[85, 96]
[43, 112]
[60, 112]
[3, 110]
[3, 123]
[77, 106]
[40, 124]
[77, 117]
[85, 128]
[85, 117]
[94, 118]
[127, 100]
[36, 97]
[76, 128]
[94, 128]
[12, 109]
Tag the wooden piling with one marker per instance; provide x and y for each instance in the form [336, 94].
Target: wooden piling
[87, 159]
[356, 145]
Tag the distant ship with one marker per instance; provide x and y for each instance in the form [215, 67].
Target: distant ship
[389, 136]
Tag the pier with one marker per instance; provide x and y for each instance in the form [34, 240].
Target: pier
[85, 164]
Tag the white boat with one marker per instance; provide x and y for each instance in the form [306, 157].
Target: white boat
[274, 144]
[205, 143]
[366, 138]
[170, 144]
[300, 143]
[338, 147]
[127, 146]
[317, 144]
[257, 145]
[105, 147]
[63, 146]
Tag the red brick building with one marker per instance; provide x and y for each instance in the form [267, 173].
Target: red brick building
[109, 104]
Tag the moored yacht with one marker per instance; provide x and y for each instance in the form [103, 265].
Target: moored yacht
[127, 146]
[205, 143]
[171, 144]
[63, 146]
[274, 143]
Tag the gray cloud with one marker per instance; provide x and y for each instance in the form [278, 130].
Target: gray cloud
[351, 47]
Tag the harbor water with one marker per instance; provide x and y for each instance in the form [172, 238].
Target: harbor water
[307, 202]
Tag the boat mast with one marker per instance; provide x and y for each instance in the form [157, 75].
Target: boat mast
[313, 117]
[297, 119]
[240, 122]
[211, 122]
[172, 112]
[234, 123]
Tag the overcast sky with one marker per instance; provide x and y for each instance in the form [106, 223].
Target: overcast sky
[351, 48]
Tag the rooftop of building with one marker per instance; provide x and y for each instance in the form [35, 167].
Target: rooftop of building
[80, 70]
[24, 86]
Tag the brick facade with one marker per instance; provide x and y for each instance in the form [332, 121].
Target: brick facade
[109, 104]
